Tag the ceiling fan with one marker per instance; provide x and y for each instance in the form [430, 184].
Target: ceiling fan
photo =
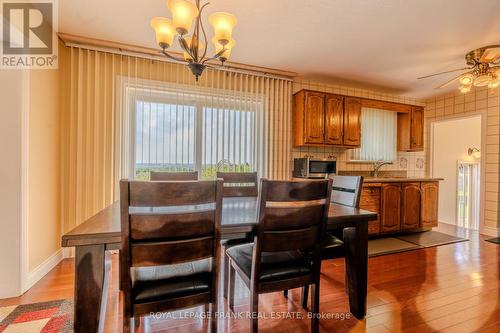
[483, 69]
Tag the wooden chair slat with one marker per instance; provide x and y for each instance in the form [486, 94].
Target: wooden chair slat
[296, 191]
[238, 177]
[292, 217]
[346, 190]
[289, 240]
[248, 184]
[173, 176]
[156, 194]
[172, 226]
[173, 252]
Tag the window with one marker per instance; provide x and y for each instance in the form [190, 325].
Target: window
[378, 136]
[198, 130]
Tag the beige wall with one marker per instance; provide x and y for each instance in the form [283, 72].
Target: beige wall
[10, 191]
[451, 140]
[44, 227]
[413, 163]
[485, 102]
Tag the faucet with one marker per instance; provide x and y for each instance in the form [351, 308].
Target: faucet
[377, 165]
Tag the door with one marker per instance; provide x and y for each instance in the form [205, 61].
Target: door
[468, 195]
[390, 208]
[429, 204]
[410, 203]
[352, 121]
[417, 128]
[314, 118]
[334, 119]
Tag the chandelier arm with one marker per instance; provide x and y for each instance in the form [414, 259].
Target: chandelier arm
[203, 30]
[171, 56]
[217, 55]
[185, 47]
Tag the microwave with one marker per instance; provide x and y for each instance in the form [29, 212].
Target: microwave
[306, 167]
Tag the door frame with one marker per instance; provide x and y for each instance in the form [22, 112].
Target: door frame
[482, 166]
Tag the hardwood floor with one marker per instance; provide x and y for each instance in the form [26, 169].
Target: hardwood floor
[450, 288]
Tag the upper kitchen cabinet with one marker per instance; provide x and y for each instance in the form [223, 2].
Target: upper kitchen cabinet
[411, 130]
[352, 122]
[321, 119]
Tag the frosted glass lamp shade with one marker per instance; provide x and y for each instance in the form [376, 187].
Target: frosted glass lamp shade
[223, 24]
[218, 47]
[183, 14]
[164, 31]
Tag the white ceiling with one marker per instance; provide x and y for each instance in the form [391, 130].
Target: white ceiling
[382, 44]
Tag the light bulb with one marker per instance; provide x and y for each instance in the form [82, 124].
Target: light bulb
[183, 13]
[223, 24]
[164, 31]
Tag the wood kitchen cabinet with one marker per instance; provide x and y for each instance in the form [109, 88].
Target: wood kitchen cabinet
[410, 206]
[390, 207]
[352, 121]
[411, 129]
[370, 200]
[429, 204]
[321, 119]
[334, 124]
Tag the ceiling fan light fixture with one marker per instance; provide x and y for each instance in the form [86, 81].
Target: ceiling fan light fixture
[467, 79]
[465, 89]
[482, 80]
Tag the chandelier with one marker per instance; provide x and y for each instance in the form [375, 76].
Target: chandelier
[195, 46]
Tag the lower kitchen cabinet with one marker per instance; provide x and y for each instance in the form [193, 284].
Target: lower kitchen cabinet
[390, 207]
[401, 206]
[410, 206]
[429, 204]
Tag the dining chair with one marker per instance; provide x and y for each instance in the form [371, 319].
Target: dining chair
[239, 184]
[236, 184]
[173, 176]
[346, 190]
[292, 218]
[169, 247]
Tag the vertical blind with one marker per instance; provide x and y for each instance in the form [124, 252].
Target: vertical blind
[378, 136]
[184, 128]
[241, 119]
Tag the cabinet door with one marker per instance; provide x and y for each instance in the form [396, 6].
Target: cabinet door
[390, 207]
[334, 119]
[370, 200]
[417, 129]
[314, 118]
[429, 204]
[352, 121]
[410, 206]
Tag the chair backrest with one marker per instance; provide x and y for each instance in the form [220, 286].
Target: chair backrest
[173, 176]
[167, 223]
[346, 190]
[239, 184]
[292, 215]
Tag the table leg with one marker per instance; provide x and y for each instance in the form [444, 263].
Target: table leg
[356, 242]
[90, 285]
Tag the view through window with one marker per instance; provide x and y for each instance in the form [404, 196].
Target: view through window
[194, 134]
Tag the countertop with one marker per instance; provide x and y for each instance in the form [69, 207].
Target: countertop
[400, 179]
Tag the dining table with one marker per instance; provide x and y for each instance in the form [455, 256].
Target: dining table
[102, 232]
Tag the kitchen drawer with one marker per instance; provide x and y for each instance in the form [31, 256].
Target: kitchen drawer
[373, 227]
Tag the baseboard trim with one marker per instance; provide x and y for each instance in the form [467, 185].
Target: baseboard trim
[490, 231]
[68, 252]
[41, 270]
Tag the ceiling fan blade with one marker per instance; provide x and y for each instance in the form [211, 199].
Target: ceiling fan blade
[491, 54]
[452, 80]
[450, 71]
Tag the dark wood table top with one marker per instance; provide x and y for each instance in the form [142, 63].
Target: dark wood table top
[239, 215]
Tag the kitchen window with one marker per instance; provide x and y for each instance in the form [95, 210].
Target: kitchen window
[185, 130]
[378, 136]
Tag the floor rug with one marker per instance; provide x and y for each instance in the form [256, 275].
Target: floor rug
[388, 245]
[431, 238]
[46, 317]
[494, 240]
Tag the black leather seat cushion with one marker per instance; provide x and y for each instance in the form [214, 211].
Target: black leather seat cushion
[275, 265]
[170, 281]
[227, 243]
[331, 247]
